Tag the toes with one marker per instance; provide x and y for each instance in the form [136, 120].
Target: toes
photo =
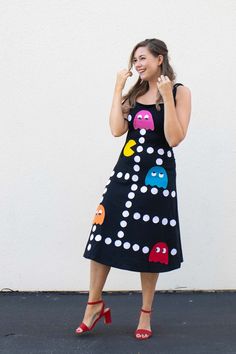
[141, 335]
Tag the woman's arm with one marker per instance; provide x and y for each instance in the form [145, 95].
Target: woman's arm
[117, 121]
[118, 116]
[177, 117]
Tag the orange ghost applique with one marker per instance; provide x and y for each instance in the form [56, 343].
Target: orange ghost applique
[99, 215]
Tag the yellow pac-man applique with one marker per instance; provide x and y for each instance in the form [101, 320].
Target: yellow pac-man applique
[128, 151]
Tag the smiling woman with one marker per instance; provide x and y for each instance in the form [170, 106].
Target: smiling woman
[150, 59]
[136, 224]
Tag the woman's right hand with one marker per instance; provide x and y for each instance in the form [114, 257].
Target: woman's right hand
[122, 76]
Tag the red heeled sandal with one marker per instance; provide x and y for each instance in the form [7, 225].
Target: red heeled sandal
[143, 333]
[107, 318]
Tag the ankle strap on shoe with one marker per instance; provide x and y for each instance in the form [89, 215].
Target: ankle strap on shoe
[146, 311]
[94, 302]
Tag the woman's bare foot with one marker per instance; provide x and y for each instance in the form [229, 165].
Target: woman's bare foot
[144, 322]
[92, 312]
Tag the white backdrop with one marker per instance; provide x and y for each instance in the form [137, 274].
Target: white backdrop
[58, 68]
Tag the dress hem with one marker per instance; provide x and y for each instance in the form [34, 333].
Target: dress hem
[132, 269]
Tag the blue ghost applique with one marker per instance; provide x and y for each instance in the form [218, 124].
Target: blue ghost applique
[156, 176]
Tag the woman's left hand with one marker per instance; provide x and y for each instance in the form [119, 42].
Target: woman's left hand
[164, 86]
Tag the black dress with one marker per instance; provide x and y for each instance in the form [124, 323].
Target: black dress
[136, 225]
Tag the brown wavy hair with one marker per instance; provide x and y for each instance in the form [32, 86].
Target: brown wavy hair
[156, 47]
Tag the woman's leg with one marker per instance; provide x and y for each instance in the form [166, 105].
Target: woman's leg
[148, 281]
[98, 276]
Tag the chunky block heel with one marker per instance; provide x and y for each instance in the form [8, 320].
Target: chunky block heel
[107, 316]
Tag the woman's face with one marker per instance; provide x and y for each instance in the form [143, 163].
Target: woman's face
[147, 66]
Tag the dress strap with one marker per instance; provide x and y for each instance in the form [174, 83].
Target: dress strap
[175, 89]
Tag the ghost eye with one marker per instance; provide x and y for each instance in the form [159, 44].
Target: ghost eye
[158, 249]
[161, 175]
[146, 116]
[153, 174]
[164, 250]
[139, 117]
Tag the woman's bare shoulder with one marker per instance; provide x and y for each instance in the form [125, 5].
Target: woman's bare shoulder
[183, 89]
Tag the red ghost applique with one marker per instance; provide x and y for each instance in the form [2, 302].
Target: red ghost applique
[159, 253]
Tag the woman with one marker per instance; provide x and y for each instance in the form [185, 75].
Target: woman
[136, 224]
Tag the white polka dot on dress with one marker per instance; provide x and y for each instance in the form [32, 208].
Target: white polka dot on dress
[98, 238]
[159, 161]
[164, 221]
[109, 181]
[134, 187]
[126, 245]
[137, 158]
[173, 222]
[131, 195]
[166, 192]
[108, 240]
[128, 204]
[142, 131]
[150, 150]
[89, 247]
[136, 216]
[139, 148]
[154, 190]
[135, 178]
[118, 243]
[136, 168]
[173, 251]
[146, 217]
[123, 223]
[141, 140]
[120, 234]
[155, 219]
[135, 247]
[125, 213]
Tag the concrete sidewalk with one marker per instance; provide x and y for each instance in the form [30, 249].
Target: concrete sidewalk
[182, 323]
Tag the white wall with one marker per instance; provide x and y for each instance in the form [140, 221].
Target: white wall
[58, 65]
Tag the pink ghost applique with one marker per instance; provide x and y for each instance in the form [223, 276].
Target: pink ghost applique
[159, 253]
[143, 120]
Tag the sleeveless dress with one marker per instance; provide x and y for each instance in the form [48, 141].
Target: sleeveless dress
[136, 225]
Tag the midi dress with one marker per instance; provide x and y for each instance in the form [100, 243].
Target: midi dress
[136, 223]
